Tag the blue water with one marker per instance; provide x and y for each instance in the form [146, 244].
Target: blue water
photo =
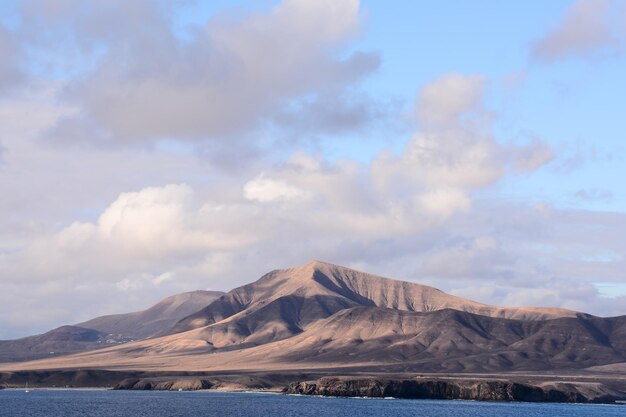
[70, 403]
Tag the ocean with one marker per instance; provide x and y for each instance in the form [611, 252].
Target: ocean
[100, 403]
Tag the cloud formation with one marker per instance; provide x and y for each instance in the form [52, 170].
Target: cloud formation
[443, 103]
[593, 194]
[150, 210]
[9, 72]
[164, 239]
[238, 72]
[584, 31]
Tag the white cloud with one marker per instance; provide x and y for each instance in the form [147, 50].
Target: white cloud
[445, 202]
[410, 214]
[584, 31]
[236, 73]
[265, 190]
[531, 156]
[161, 240]
[445, 101]
[145, 216]
[164, 277]
[9, 72]
[455, 147]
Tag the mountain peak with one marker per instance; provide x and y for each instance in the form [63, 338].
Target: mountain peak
[309, 267]
[316, 263]
[201, 297]
[285, 302]
[328, 269]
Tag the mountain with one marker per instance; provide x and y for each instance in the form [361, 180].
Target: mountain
[454, 341]
[285, 302]
[60, 341]
[147, 323]
[106, 330]
[324, 316]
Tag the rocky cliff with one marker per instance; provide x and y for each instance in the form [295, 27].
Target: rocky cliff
[193, 384]
[456, 390]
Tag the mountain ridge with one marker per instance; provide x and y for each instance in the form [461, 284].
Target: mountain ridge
[148, 322]
[324, 316]
[105, 330]
[346, 287]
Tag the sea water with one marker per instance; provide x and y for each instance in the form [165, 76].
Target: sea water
[100, 403]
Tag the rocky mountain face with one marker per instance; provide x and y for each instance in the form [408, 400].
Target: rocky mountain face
[106, 330]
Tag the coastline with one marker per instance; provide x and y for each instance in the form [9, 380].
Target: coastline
[442, 389]
[504, 388]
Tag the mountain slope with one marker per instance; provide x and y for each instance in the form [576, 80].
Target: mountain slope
[62, 340]
[381, 340]
[454, 341]
[284, 303]
[323, 316]
[106, 330]
[147, 323]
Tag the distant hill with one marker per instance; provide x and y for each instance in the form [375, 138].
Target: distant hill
[147, 323]
[106, 330]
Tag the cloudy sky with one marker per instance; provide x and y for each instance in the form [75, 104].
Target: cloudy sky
[154, 147]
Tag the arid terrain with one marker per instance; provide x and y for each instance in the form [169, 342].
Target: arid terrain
[106, 330]
[320, 320]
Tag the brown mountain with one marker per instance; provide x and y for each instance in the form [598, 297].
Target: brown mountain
[454, 341]
[60, 341]
[285, 302]
[106, 330]
[147, 323]
[323, 316]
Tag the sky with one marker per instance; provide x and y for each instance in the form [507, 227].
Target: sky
[154, 147]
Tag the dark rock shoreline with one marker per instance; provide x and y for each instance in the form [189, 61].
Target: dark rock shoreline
[481, 388]
[455, 390]
[193, 384]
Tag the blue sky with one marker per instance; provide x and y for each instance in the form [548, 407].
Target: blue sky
[573, 104]
[557, 102]
[148, 148]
